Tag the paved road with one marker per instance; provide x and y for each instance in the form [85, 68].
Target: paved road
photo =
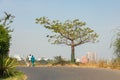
[65, 73]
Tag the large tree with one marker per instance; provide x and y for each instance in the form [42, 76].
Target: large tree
[116, 43]
[5, 33]
[4, 41]
[71, 32]
[7, 65]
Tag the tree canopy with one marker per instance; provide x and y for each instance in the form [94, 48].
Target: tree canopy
[70, 32]
[5, 36]
[116, 44]
[4, 41]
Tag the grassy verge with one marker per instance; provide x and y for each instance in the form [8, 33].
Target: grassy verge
[18, 76]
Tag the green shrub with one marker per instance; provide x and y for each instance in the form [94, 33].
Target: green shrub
[18, 76]
[59, 60]
[43, 62]
[4, 40]
[7, 66]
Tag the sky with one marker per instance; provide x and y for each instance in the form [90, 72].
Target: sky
[103, 16]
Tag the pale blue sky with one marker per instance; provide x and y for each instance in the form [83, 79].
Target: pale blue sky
[30, 38]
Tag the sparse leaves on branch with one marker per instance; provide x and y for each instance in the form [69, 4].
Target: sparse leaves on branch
[68, 31]
[7, 19]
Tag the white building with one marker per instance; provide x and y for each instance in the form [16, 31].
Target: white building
[84, 59]
[17, 57]
[92, 56]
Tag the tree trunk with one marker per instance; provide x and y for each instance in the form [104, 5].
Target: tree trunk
[72, 53]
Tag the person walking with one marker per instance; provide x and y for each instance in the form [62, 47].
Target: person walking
[29, 57]
[29, 60]
[33, 60]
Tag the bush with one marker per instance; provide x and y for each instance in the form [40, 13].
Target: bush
[4, 40]
[102, 64]
[18, 76]
[115, 63]
[7, 66]
[59, 60]
[43, 62]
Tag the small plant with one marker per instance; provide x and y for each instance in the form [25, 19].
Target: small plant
[102, 64]
[7, 66]
[59, 60]
[18, 76]
[115, 63]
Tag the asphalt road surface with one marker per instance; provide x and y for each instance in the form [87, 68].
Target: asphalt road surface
[67, 73]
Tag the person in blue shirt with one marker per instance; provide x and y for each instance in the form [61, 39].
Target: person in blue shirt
[33, 60]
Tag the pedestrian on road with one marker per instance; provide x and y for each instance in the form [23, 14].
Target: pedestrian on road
[33, 60]
[29, 57]
[29, 60]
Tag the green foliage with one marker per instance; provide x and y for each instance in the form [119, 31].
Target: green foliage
[5, 33]
[7, 66]
[4, 40]
[116, 43]
[59, 60]
[43, 62]
[50, 61]
[70, 32]
[117, 47]
[18, 76]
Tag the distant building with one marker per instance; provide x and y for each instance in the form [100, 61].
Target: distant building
[17, 57]
[84, 59]
[92, 56]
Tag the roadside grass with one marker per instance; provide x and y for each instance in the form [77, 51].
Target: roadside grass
[113, 64]
[18, 76]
